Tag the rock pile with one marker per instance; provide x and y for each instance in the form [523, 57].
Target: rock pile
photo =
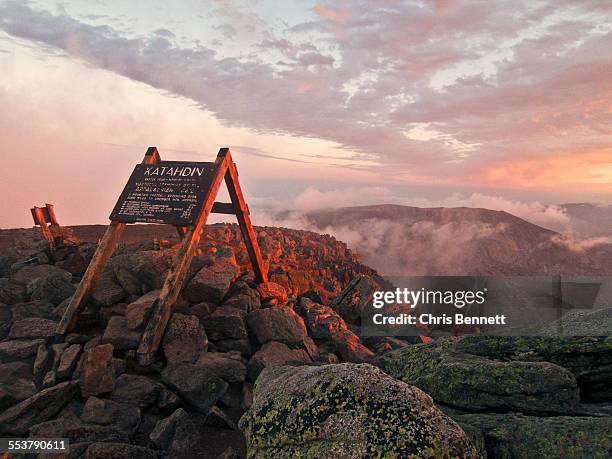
[224, 331]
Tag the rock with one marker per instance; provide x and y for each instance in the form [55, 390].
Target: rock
[55, 287]
[11, 292]
[98, 373]
[41, 407]
[16, 383]
[343, 411]
[217, 418]
[142, 392]
[142, 271]
[211, 283]
[355, 298]
[229, 453]
[138, 312]
[349, 346]
[184, 340]
[42, 309]
[513, 435]
[33, 327]
[76, 431]
[275, 354]
[226, 323]
[479, 384]
[322, 321]
[106, 291]
[41, 362]
[164, 430]
[68, 361]
[109, 450]
[203, 310]
[241, 345]
[119, 335]
[195, 384]
[225, 366]
[29, 274]
[277, 324]
[247, 396]
[121, 416]
[272, 293]
[19, 349]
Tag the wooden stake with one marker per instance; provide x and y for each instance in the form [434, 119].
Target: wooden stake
[40, 220]
[101, 256]
[244, 219]
[162, 308]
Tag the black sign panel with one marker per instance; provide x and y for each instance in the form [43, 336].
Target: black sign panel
[168, 192]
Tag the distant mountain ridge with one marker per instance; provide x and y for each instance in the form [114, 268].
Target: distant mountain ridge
[403, 240]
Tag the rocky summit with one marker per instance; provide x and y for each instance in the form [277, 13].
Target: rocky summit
[276, 369]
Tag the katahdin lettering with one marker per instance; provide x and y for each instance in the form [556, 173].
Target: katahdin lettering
[174, 171]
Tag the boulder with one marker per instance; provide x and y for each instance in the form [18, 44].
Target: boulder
[68, 361]
[350, 348]
[227, 366]
[184, 340]
[39, 308]
[211, 283]
[164, 430]
[272, 293]
[12, 292]
[121, 416]
[226, 323]
[77, 431]
[16, 383]
[322, 321]
[277, 324]
[55, 287]
[109, 450]
[143, 392]
[41, 407]
[346, 411]
[119, 335]
[479, 384]
[275, 354]
[98, 372]
[106, 291]
[33, 327]
[138, 312]
[514, 435]
[19, 349]
[29, 274]
[241, 345]
[195, 384]
[357, 296]
[142, 271]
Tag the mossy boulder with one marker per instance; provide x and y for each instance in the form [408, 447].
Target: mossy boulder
[513, 435]
[476, 383]
[346, 411]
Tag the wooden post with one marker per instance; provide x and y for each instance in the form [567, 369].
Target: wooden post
[162, 308]
[244, 219]
[101, 256]
[40, 220]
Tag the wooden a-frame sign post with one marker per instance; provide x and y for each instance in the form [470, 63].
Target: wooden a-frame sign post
[148, 197]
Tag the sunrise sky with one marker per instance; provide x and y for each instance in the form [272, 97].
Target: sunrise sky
[424, 102]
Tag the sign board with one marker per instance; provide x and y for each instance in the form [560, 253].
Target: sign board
[169, 192]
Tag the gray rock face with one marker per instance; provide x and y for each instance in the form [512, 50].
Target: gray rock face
[41, 407]
[19, 349]
[226, 323]
[195, 384]
[479, 384]
[119, 335]
[346, 411]
[277, 324]
[142, 392]
[275, 354]
[513, 435]
[226, 366]
[211, 283]
[33, 327]
[122, 416]
[138, 312]
[184, 340]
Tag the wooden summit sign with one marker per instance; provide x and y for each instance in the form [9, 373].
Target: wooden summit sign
[181, 194]
[171, 192]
